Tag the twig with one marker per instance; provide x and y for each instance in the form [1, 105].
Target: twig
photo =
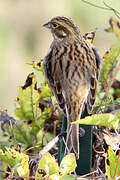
[48, 146]
[116, 169]
[98, 152]
[11, 175]
[86, 175]
[112, 9]
[107, 7]
[87, 2]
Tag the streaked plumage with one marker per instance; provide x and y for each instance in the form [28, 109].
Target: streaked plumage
[71, 69]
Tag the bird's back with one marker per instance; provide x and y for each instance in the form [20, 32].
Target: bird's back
[69, 69]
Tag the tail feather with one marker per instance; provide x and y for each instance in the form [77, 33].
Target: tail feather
[92, 94]
[73, 114]
[72, 141]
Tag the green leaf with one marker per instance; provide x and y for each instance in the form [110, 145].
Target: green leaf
[112, 161]
[23, 168]
[99, 103]
[17, 159]
[31, 109]
[28, 99]
[22, 133]
[68, 164]
[69, 177]
[46, 92]
[48, 164]
[108, 60]
[38, 124]
[47, 138]
[108, 120]
[8, 158]
[110, 169]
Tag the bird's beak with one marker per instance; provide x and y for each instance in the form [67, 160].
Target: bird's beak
[47, 25]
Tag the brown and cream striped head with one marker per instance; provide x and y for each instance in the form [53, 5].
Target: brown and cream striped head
[63, 27]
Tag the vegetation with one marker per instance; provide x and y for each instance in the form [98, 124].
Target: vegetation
[37, 116]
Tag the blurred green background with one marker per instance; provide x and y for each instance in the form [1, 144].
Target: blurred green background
[23, 38]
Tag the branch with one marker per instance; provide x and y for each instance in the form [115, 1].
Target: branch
[107, 7]
[117, 166]
[48, 146]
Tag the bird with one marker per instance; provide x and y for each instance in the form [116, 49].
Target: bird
[71, 68]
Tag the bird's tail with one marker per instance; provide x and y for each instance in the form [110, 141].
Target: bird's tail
[73, 114]
[72, 140]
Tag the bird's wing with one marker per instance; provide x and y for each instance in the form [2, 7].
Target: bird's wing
[54, 85]
[93, 82]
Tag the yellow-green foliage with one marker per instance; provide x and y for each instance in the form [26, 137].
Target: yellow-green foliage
[111, 55]
[111, 167]
[108, 120]
[17, 160]
[49, 169]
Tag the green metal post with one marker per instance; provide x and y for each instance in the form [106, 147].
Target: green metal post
[61, 142]
[84, 163]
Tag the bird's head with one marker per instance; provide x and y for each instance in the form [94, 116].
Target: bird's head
[63, 28]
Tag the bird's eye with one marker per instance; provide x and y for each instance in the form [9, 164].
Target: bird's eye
[55, 25]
